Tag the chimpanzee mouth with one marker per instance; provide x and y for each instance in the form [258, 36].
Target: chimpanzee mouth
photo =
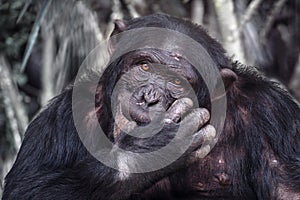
[143, 112]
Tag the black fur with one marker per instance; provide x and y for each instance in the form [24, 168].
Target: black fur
[262, 125]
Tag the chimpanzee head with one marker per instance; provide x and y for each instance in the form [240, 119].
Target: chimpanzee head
[152, 67]
[149, 80]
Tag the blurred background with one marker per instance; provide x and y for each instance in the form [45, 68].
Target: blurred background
[43, 43]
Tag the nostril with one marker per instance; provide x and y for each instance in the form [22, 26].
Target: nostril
[151, 98]
[147, 96]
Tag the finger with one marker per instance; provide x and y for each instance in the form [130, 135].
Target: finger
[193, 121]
[199, 154]
[204, 135]
[178, 109]
[122, 123]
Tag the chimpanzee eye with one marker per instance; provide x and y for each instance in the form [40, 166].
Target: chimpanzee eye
[145, 67]
[177, 81]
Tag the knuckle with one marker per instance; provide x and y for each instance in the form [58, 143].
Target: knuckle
[202, 114]
[209, 132]
[198, 136]
[186, 102]
[179, 108]
[199, 115]
[202, 152]
[182, 105]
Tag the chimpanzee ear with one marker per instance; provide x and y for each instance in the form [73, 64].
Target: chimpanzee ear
[120, 26]
[228, 77]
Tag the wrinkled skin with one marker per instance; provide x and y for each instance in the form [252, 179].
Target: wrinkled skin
[149, 88]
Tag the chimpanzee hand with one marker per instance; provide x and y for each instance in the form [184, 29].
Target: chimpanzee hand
[189, 128]
[180, 124]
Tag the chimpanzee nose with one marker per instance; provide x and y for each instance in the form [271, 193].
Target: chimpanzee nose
[148, 95]
[151, 96]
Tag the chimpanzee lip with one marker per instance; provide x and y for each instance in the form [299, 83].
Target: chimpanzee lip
[139, 109]
[140, 118]
[138, 112]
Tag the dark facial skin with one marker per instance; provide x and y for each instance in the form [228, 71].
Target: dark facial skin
[150, 85]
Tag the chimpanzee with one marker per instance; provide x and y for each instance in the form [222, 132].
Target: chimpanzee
[53, 162]
[257, 155]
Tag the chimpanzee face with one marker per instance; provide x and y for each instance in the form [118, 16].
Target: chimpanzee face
[151, 81]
